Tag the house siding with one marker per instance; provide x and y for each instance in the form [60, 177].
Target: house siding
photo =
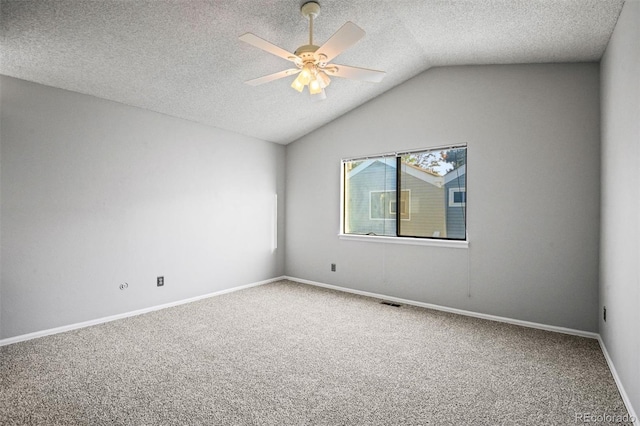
[427, 217]
[456, 220]
[427, 212]
[377, 177]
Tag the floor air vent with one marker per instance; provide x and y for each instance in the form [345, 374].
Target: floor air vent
[395, 305]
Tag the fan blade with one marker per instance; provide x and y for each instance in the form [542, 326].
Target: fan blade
[348, 35]
[355, 73]
[271, 77]
[256, 41]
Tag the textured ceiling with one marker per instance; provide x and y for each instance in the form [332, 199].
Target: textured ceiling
[183, 57]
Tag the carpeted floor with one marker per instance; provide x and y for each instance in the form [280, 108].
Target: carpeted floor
[292, 354]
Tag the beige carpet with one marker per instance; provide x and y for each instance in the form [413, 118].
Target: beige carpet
[292, 354]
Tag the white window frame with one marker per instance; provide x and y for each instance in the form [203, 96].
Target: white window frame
[452, 202]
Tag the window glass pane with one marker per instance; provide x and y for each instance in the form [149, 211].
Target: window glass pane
[428, 201]
[370, 194]
[428, 177]
[456, 180]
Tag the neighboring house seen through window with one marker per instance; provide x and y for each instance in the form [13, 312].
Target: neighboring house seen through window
[457, 197]
[429, 185]
[405, 202]
[382, 205]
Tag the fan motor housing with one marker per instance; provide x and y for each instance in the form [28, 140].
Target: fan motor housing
[306, 49]
[308, 53]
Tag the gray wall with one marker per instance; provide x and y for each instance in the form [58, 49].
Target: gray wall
[533, 212]
[620, 249]
[95, 194]
[1, 89]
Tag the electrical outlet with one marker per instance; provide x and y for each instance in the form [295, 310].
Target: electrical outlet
[604, 313]
[333, 267]
[160, 281]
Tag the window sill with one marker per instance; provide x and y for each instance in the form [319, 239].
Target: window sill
[405, 240]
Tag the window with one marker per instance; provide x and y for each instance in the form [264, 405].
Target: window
[457, 197]
[429, 185]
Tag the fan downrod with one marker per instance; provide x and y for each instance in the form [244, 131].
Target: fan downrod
[310, 10]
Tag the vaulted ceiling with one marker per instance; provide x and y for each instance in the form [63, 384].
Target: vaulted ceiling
[183, 57]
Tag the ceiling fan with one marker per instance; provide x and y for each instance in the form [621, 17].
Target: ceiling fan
[313, 62]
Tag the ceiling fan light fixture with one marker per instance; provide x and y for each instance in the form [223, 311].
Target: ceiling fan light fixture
[320, 96]
[306, 74]
[323, 79]
[297, 84]
[314, 87]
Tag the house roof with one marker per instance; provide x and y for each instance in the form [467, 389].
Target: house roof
[455, 173]
[184, 59]
[411, 170]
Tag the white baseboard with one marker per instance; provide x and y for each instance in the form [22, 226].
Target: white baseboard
[529, 324]
[616, 378]
[89, 323]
